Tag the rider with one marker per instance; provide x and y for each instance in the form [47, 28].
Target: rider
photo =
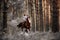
[25, 17]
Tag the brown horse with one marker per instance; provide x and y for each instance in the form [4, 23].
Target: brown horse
[25, 24]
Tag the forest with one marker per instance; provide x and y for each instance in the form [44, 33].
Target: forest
[44, 18]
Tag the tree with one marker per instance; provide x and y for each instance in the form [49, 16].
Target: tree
[4, 15]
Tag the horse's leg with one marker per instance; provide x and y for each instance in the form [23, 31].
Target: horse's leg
[22, 29]
[26, 30]
[29, 29]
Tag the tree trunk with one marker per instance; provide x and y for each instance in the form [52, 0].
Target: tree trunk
[55, 25]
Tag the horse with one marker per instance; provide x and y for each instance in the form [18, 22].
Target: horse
[25, 24]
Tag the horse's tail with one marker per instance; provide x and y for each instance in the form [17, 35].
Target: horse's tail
[19, 25]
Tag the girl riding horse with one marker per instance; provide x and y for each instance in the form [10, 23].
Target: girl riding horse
[25, 24]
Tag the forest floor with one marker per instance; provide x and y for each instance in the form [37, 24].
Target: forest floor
[33, 36]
